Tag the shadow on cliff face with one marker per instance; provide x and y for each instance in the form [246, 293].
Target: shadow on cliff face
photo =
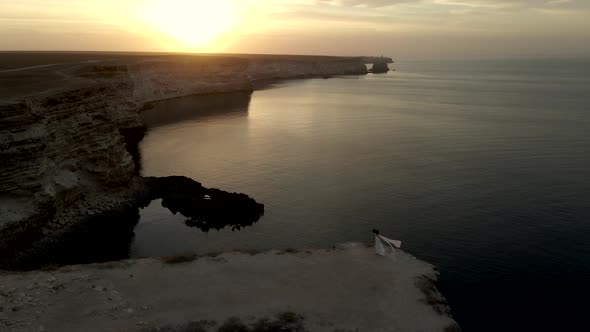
[99, 238]
[108, 236]
[102, 238]
[132, 137]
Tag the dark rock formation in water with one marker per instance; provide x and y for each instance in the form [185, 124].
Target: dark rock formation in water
[68, 145]
[380, 67]
[205, 208]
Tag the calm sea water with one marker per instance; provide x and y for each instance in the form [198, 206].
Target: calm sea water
[481, 168]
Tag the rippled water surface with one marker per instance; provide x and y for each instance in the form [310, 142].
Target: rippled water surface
[481, 168]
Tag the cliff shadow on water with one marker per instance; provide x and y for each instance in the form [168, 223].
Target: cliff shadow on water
[177, 110]
[201, 107]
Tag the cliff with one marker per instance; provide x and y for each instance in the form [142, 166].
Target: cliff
[69, 134]
[70, 193]
[379, 67]
[64, 161]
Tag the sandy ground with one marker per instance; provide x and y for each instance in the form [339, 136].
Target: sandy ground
[344, 289]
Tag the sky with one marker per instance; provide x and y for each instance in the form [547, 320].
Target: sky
[398, 28]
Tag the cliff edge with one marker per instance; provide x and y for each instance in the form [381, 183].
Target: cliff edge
[344, 289]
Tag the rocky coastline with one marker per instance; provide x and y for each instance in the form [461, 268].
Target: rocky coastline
[69, 135]
[71, 190]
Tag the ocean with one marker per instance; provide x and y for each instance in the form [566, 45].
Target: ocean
[481, 168]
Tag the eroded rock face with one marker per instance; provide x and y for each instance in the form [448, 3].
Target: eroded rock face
[69, 134]
[160, 79]
[64, 161]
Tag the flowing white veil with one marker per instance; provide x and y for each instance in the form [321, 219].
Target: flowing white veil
[379, 249]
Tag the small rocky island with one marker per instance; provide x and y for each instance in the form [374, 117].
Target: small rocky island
[70, 193]
[347, 288]
[380, 67]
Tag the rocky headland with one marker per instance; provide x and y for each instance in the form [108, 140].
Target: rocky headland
[70, 193]
[69, 134]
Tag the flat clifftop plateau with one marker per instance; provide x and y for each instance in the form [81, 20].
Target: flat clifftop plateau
[159, 76]
[344, 289]
[373, 59]
[70, 125]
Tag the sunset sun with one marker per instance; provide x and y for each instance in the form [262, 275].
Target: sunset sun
[194, 25]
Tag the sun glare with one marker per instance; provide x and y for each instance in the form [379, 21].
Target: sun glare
[195, 25]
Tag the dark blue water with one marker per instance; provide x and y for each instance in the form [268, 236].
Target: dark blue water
[481, 168]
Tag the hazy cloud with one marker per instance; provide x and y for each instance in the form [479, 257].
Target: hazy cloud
[492, 4]
[407, 28]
